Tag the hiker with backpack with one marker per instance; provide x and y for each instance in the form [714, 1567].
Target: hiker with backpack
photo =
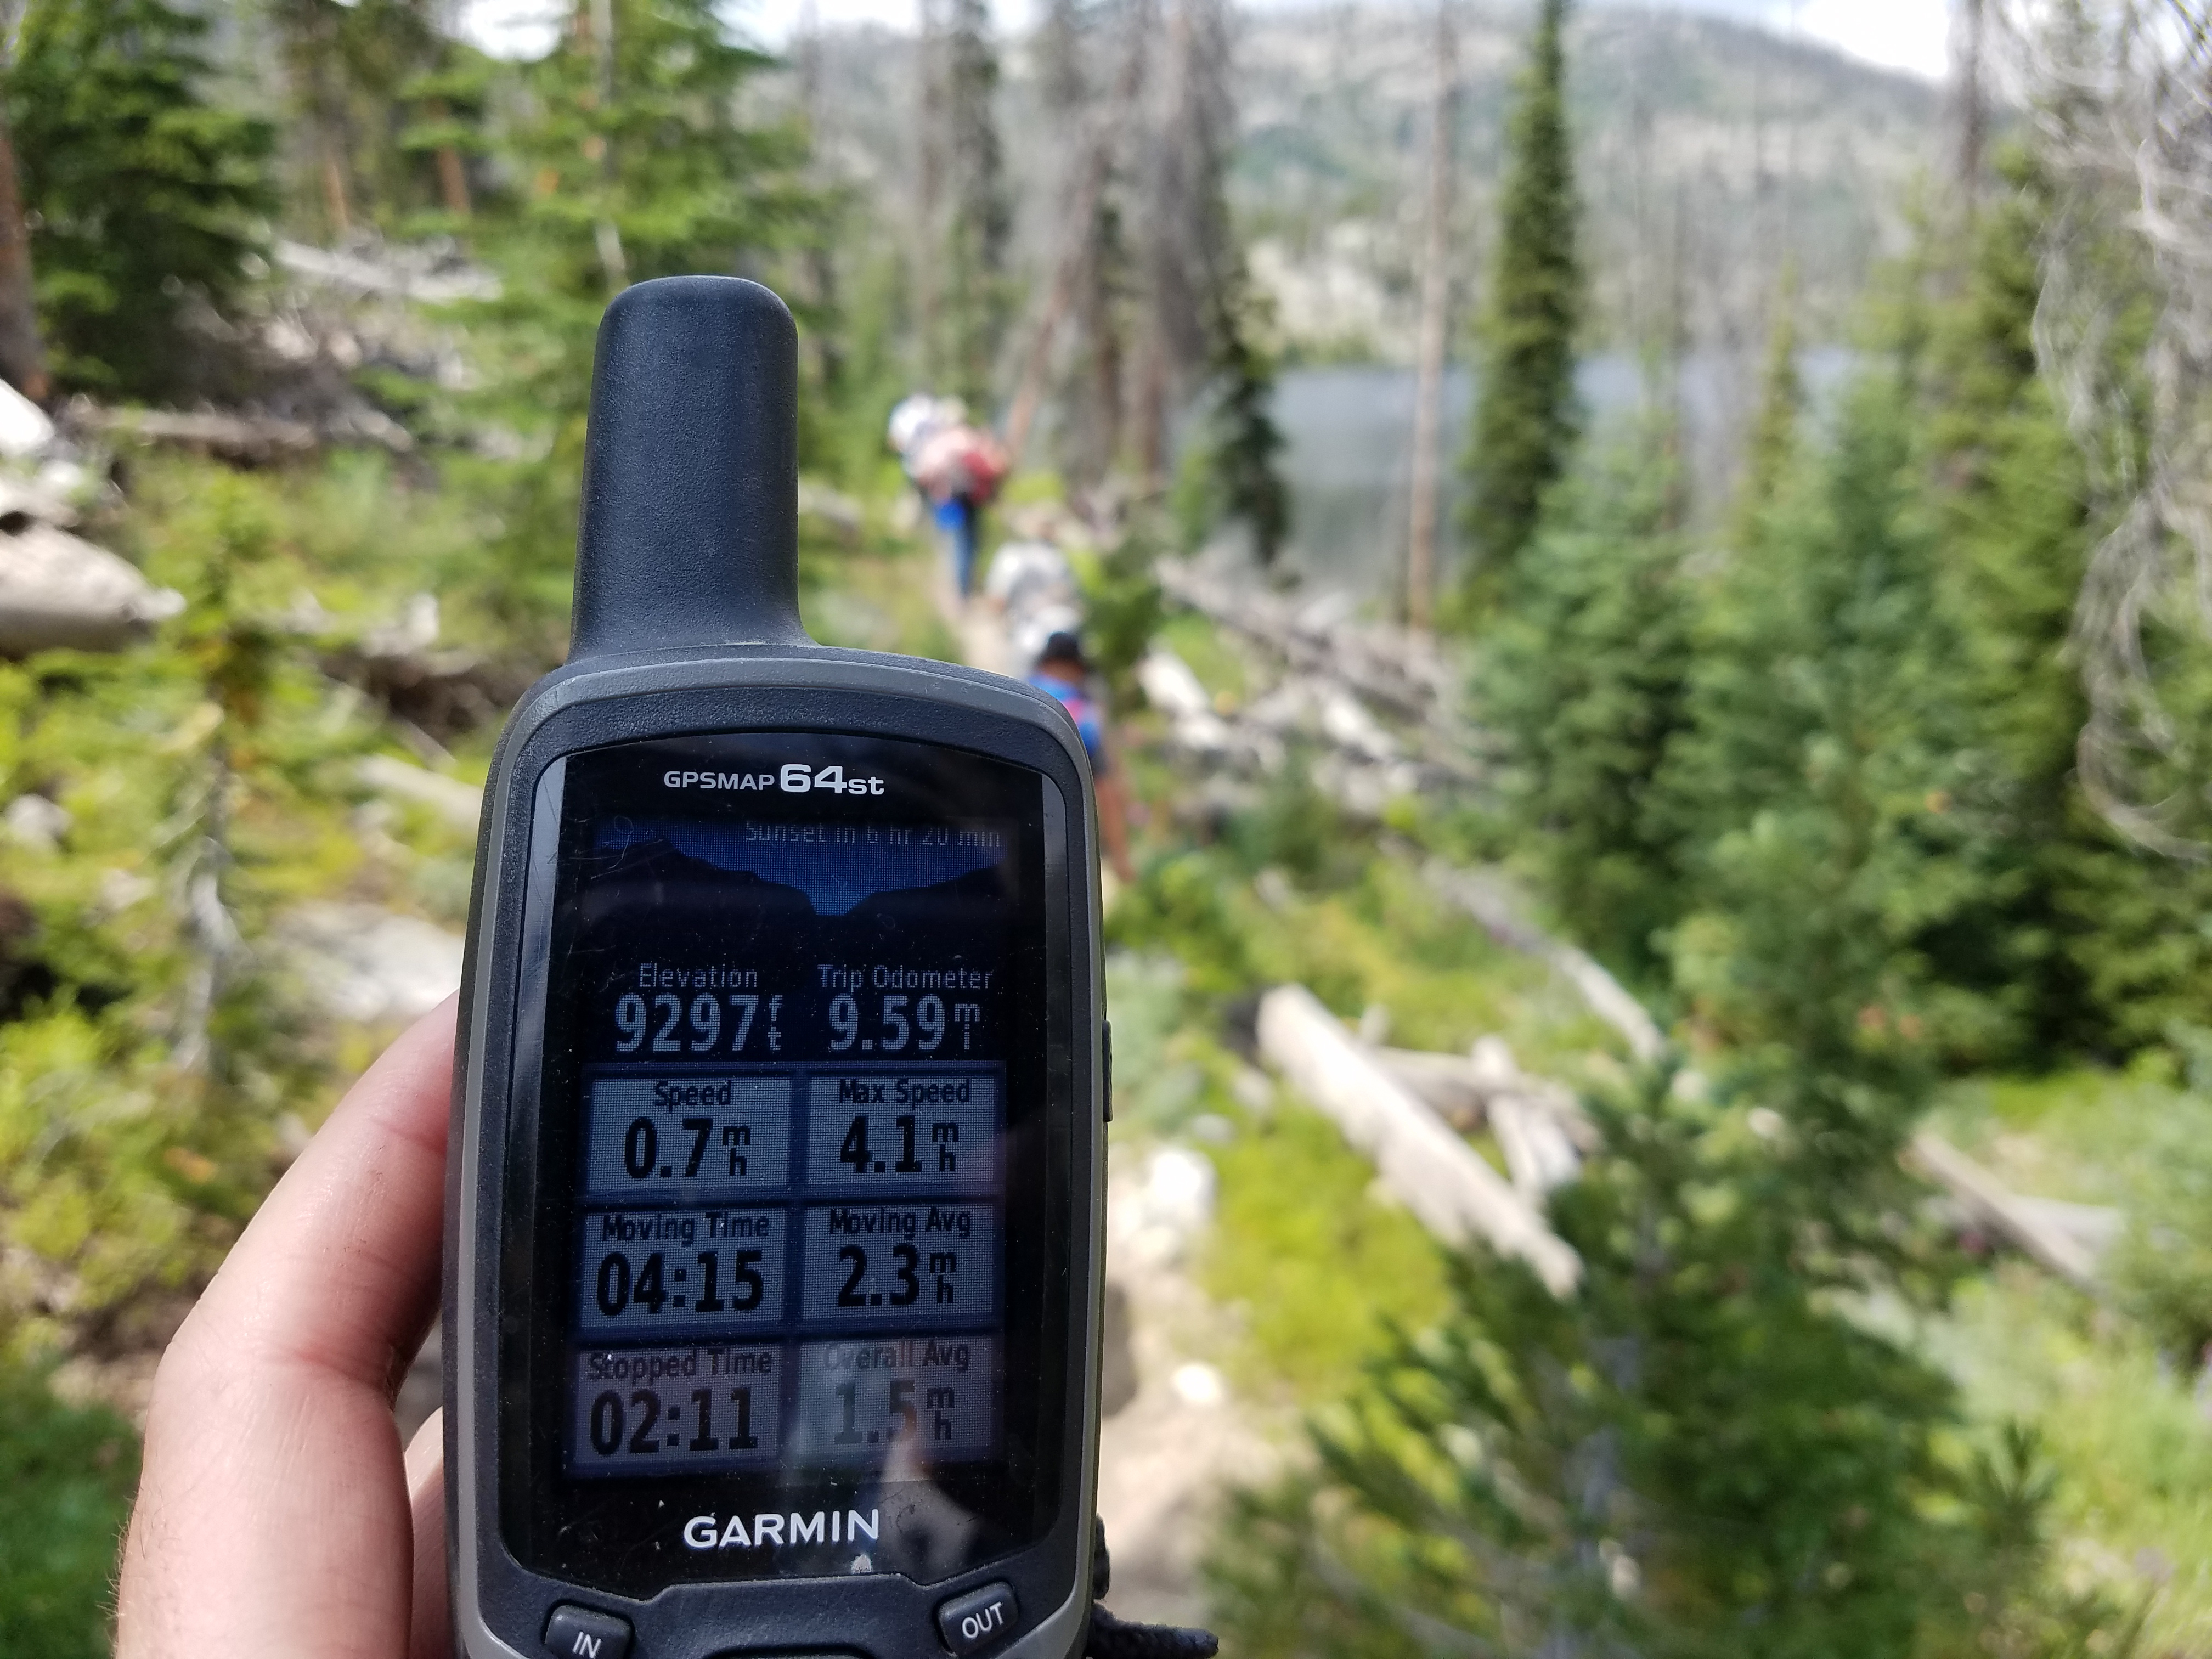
[958, 467]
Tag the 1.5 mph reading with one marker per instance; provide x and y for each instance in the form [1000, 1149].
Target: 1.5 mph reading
[720, 1010]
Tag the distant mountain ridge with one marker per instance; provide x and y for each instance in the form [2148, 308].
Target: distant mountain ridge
[1710, 152]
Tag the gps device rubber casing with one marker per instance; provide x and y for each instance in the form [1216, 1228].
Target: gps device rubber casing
[686, 627]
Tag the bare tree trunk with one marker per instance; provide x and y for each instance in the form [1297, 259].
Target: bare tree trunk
[1149, 425]
[614, 263]
[1971, 44]
[929, 151]
[335, 205]
[210, 933]
[1173, 332]
[821, 265]
[1436, 305]
[452, 177]
[22, 360]
[1078, 240]
[1102, 329]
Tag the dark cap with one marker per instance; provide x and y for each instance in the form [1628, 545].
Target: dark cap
[1063, 647]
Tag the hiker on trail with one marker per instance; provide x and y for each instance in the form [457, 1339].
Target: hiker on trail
[1062, 671]
[1034, 590]
[957, 467]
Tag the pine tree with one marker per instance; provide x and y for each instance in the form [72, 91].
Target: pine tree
[444, 137]
[2080, 934]
[1774, 429]
[148, 198]
[1243, 445]
[1698, 1454]
[639, 162]
[1525, 418]
[1586, 675]
[1089, 393]
[1829, 776]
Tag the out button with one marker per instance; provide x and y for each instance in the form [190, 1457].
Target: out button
[575, 1632]
[972, 1622]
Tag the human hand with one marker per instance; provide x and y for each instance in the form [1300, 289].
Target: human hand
[277, 1517]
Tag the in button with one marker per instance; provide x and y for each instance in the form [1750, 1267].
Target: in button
[972, 1622]
[575, 1632]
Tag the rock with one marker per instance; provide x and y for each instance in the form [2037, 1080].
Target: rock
[59, 591]
[34, 822]
[24, 428]
[369, 966]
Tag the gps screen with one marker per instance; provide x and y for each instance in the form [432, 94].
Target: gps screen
[798, 1007]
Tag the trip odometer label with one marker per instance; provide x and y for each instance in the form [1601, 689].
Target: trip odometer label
[670, 1138]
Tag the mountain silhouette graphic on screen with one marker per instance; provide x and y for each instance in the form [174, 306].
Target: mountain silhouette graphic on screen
[835, 874]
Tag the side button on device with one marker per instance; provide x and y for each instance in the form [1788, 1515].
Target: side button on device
[1106, 1031]
[575, 1632]
[972, 1622]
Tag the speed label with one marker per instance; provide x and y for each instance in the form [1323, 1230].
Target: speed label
[655, 1139]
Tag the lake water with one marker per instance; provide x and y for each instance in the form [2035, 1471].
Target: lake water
[1349, 436]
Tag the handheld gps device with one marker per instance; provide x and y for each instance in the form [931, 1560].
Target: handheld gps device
[773, 1223]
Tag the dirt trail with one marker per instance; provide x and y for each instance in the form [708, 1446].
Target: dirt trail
[1176, 1437]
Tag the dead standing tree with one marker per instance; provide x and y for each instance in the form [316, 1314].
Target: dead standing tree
[1088, 257]
[1204, 313]
[1435, 330]
[2125, 114]
[1181, 224]
[974, 300]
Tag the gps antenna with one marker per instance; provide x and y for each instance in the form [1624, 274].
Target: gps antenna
[689, 534]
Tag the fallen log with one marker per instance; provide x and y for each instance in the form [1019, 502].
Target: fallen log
[2065, 1239]
[1446, 1084]
[424, 274]
[1491, 904]
[1389, 665]
[1442, 1179]
[461, 805]
[2027, 1225]
[242, 440]
[254, 438]
[1537, 1151]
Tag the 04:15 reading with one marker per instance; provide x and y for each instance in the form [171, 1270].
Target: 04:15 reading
[891, 1023]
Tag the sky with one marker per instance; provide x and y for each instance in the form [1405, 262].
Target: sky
[1912, 35]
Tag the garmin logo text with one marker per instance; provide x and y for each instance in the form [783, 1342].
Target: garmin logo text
[796, 779]
[707, 1532]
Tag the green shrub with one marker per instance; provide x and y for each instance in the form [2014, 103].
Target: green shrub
[69, 1473]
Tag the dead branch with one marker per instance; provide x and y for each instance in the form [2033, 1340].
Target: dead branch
[1442, 1179]
[1485, 898]
[2028, 1225]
